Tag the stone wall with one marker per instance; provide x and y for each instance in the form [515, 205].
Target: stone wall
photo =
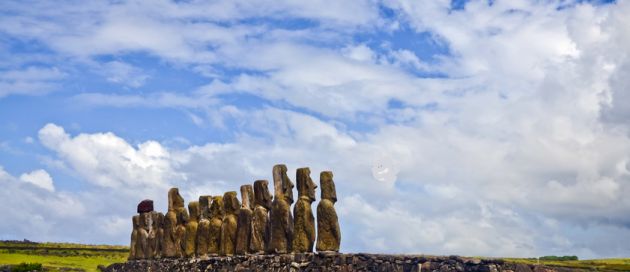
[329, 262]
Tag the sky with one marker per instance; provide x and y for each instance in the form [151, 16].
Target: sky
[477, 128]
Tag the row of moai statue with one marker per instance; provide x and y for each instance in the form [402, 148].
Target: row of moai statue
[222, 226]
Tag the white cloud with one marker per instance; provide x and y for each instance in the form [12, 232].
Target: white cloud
[39, 178]
[124, 73]
[29, 81]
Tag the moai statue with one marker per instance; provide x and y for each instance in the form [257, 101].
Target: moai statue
[180, 232]
[281, 219]
[328, 232]
[203, 231]
[244, 221]
[156, 234]
[260, 219]
[303, 219]
[231, 206]
[143, 250]
[134, 237]
[169, 243]
[191, 229]
[216, 220]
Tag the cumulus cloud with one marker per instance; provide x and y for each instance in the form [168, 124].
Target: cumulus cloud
[39, 178]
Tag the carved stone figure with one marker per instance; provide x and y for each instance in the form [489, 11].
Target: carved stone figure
[281, 219]
[169, 243]
[135, 220]
[175, 200]
[328, 232]
[244, 220]
[260, 219]
[191, 229]
[180, 232]
[203, 230]
[303, 219]
[143, 251]
[216, 220]
[228, 228]
[156, 235]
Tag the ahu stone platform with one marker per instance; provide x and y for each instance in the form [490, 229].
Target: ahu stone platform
[329, 262]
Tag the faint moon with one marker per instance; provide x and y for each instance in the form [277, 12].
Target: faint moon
[384, 169]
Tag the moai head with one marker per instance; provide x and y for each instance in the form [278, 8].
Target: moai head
[282, 185]
[261, 193]
[204, 206]
[175, 200]
[231, 204]
[247, 195]
[328, 186]
[158, 219]
[146, 220]
[193, 209]
[216, 208]
[305, 185]
[136, 221]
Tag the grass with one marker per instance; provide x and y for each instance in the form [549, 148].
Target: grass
[62, 256]
[619, 264]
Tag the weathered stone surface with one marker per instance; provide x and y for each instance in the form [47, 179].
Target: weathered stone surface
[281, 218]
[156, 234]
[203, 230]
[169, 243]
[328, 231]
[244, 221]
[190, 244]
[228, 227]
[143, 251]
[216, 220]
[135, 220]
[180, 232]
[303, 219]
[334, 262]
[145, 206]
[260, 218]
[175, 200]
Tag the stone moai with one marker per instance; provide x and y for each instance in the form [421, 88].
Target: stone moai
[143, 251]
[260, 218]
[135, 220]
[280, 240]
[191, 229]
[216, 220]
[203, 230]
[173, 244]
[156, 235]
[231, 206]
[303, 219]
[244, 220]
[328, 231]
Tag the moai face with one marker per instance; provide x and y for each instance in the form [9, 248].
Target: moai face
[231, 204]
[204, 206]
[282, 184]
[193, 209]
[261, 193]
[146, 220]
[175, 200]
[305, 185]
[216, 208]
[247, 195]
[328, 186]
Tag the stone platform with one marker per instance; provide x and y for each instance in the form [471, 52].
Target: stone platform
[330, 262]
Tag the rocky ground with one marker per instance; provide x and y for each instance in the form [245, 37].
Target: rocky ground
[331, 262]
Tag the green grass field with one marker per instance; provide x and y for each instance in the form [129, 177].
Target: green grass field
[599, 265]
[62, 256]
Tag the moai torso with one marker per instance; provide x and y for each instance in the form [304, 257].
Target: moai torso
[281, 219]
[228, 227]
[190, 246]
[304, 221]
[143, 251]
[328, 232]
[216, 220]
[156, 234]
[169, 246]
[203, 230]
[180, 232]
[134, 237]
[244, 221]
[260, 218]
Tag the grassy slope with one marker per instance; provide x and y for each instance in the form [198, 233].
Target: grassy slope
[55, 256]
[601, 264]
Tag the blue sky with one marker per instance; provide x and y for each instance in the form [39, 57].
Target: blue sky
[494, 128]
